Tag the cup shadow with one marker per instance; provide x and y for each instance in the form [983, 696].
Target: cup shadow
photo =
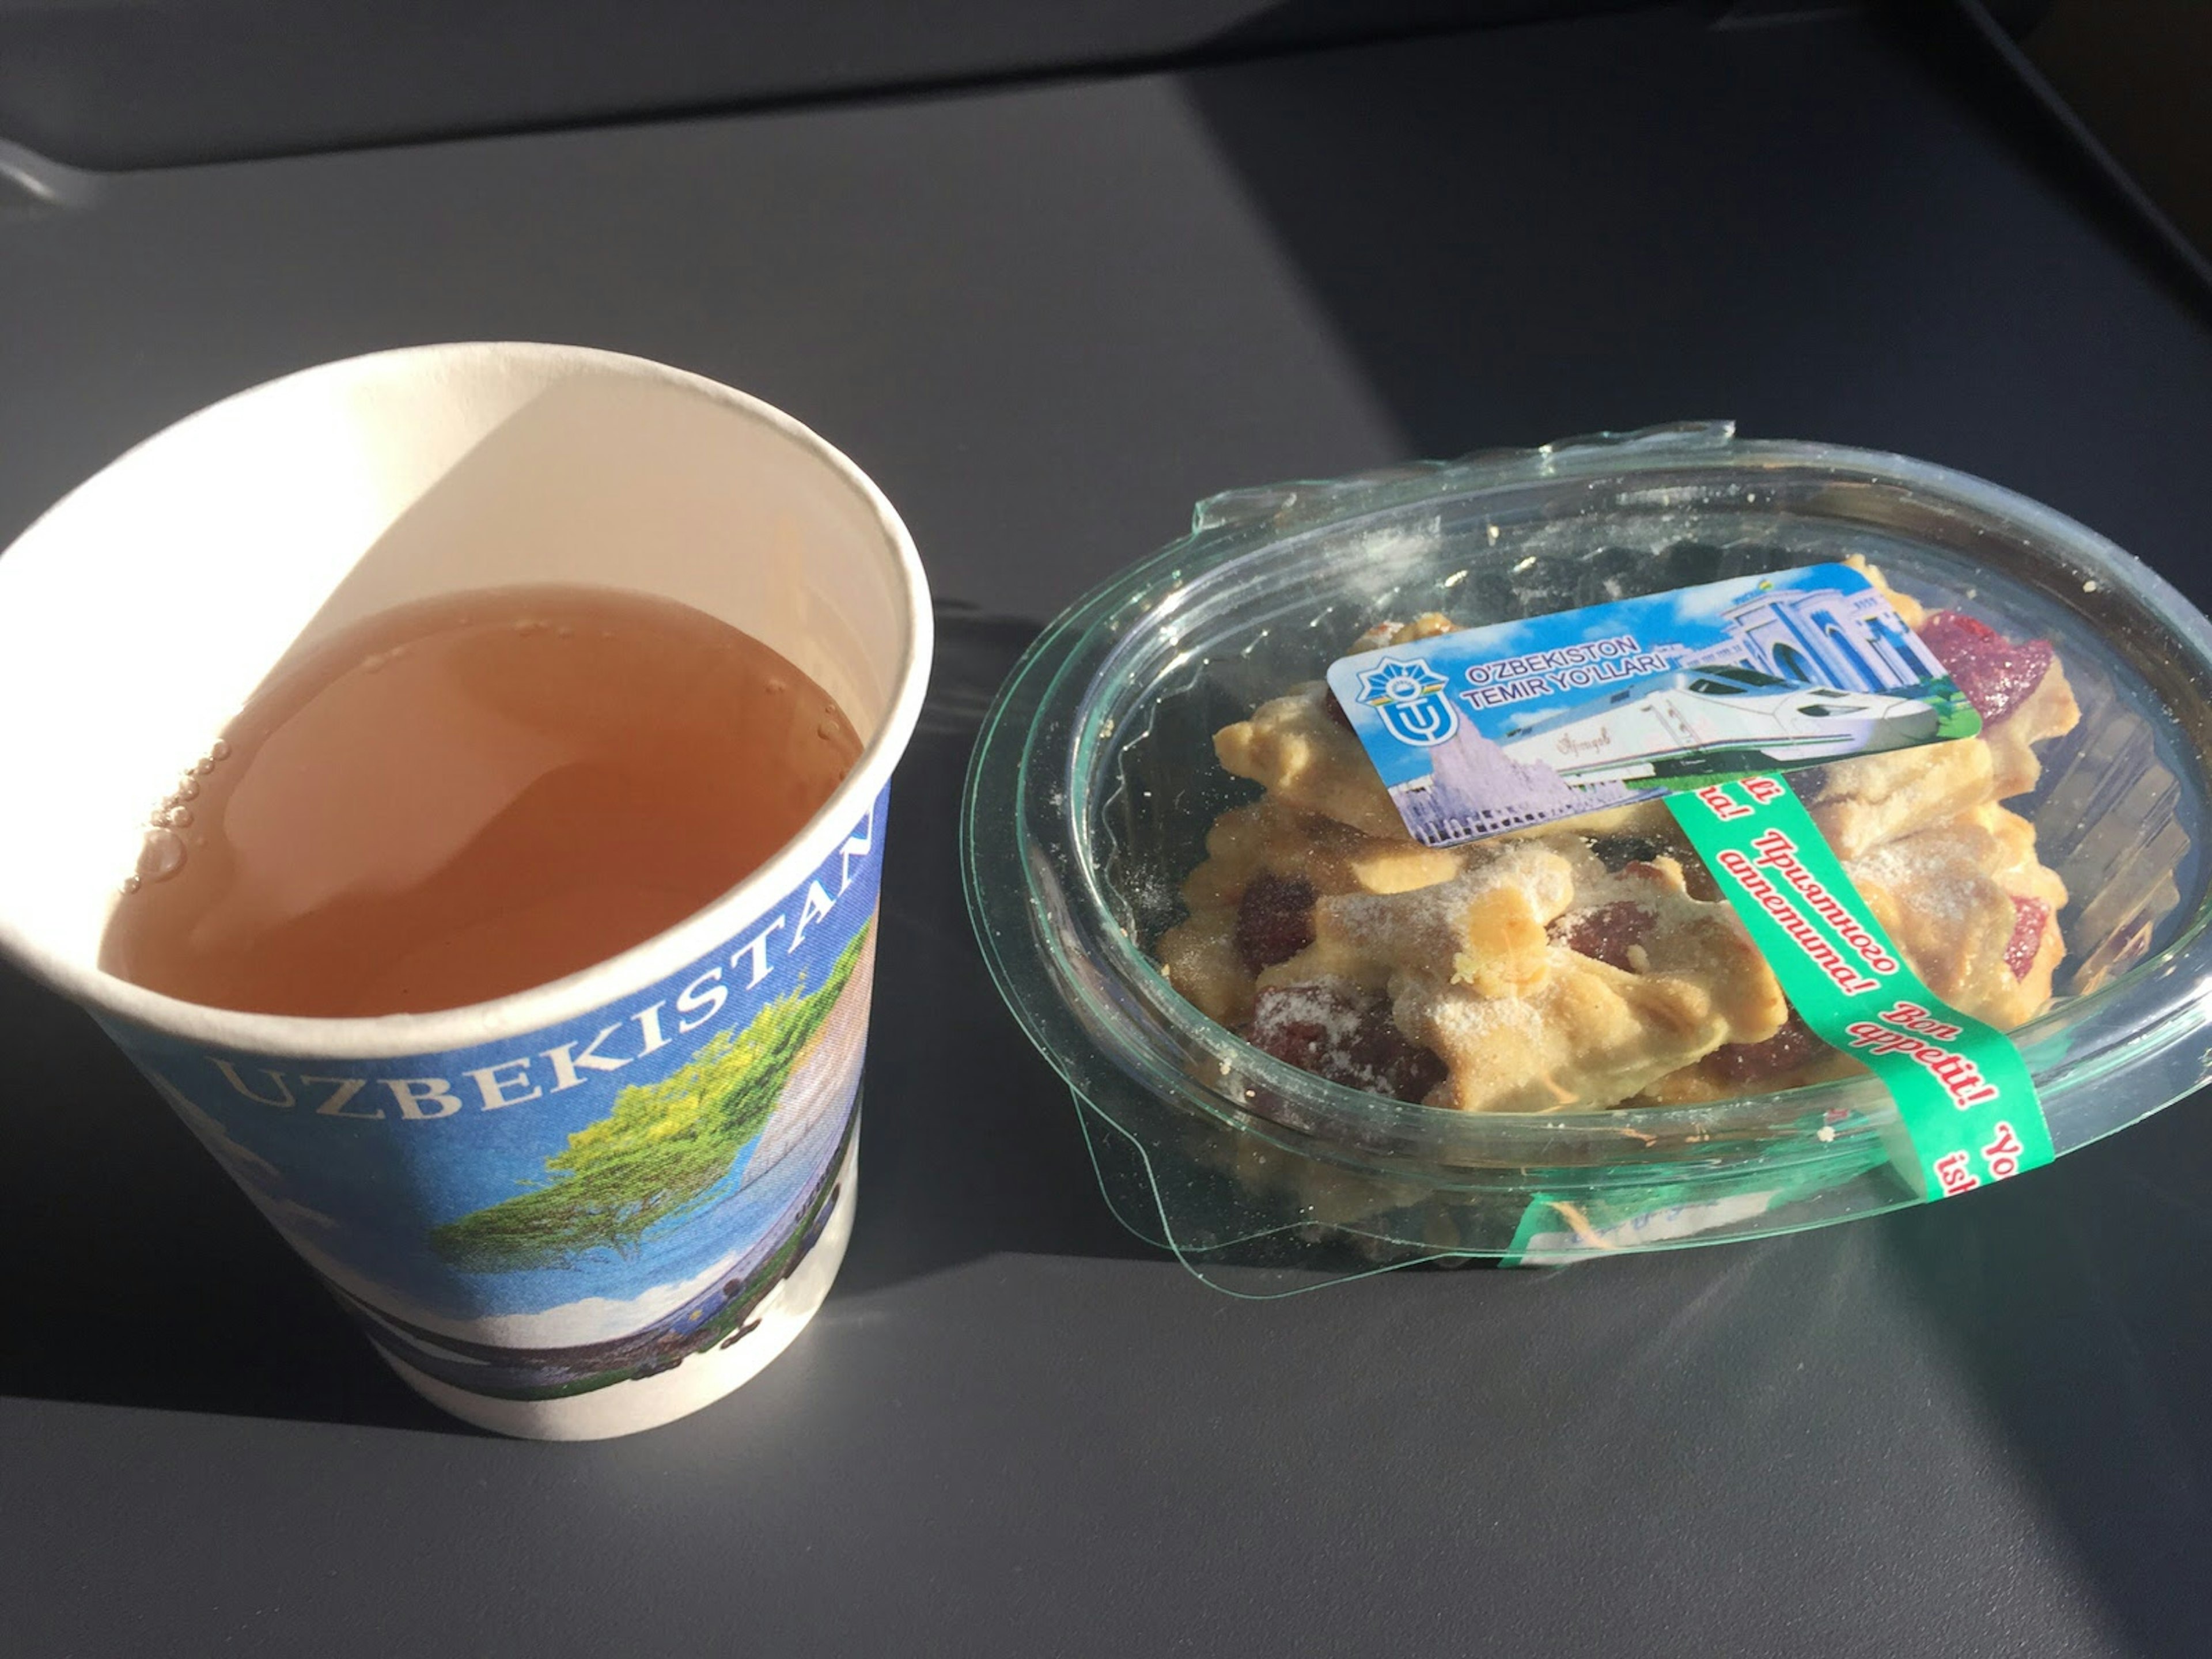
[970, 1143]
[146, 1279]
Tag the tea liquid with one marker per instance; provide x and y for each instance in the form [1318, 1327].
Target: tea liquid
[471, 796]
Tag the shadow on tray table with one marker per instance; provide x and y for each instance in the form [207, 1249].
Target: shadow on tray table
[1508, 267]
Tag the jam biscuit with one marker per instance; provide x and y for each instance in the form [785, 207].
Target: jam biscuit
[1972, 910]
[1590, 963]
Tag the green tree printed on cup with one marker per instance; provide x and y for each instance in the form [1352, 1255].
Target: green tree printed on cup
[658, 1152]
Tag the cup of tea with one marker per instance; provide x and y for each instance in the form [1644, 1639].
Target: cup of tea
[467, 776]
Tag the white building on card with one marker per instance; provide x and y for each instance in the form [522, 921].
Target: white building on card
[1852, 641]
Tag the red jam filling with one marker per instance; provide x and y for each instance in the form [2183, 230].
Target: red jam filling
[1274, 920]
[2029, 915]
[1616, 853]
[1753, 1062]
[1995, 674]
[1605, 934]
[1334, 1034]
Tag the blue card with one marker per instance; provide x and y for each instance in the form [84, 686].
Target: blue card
[1521, 723]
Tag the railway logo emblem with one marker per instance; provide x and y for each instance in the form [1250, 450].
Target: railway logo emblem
[1409, 699]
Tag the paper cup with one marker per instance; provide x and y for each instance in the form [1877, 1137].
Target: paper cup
[412, 1159]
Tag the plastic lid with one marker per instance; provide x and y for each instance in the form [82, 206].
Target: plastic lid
[1093, 786]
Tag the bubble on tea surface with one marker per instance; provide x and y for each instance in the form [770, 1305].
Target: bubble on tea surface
[162, 856]
[131, 884]
[176, 817]
[188, 790]
[776, 686]
[219, 749]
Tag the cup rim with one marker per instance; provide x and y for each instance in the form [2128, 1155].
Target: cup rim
[588, 990]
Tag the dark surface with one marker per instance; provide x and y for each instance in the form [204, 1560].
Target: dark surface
[156, 83]
[1045, 321]
[2134, 71]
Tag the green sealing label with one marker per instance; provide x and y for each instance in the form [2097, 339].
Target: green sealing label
[1965, 1097]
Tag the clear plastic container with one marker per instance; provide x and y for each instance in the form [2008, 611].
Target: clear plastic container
[1094, 783]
